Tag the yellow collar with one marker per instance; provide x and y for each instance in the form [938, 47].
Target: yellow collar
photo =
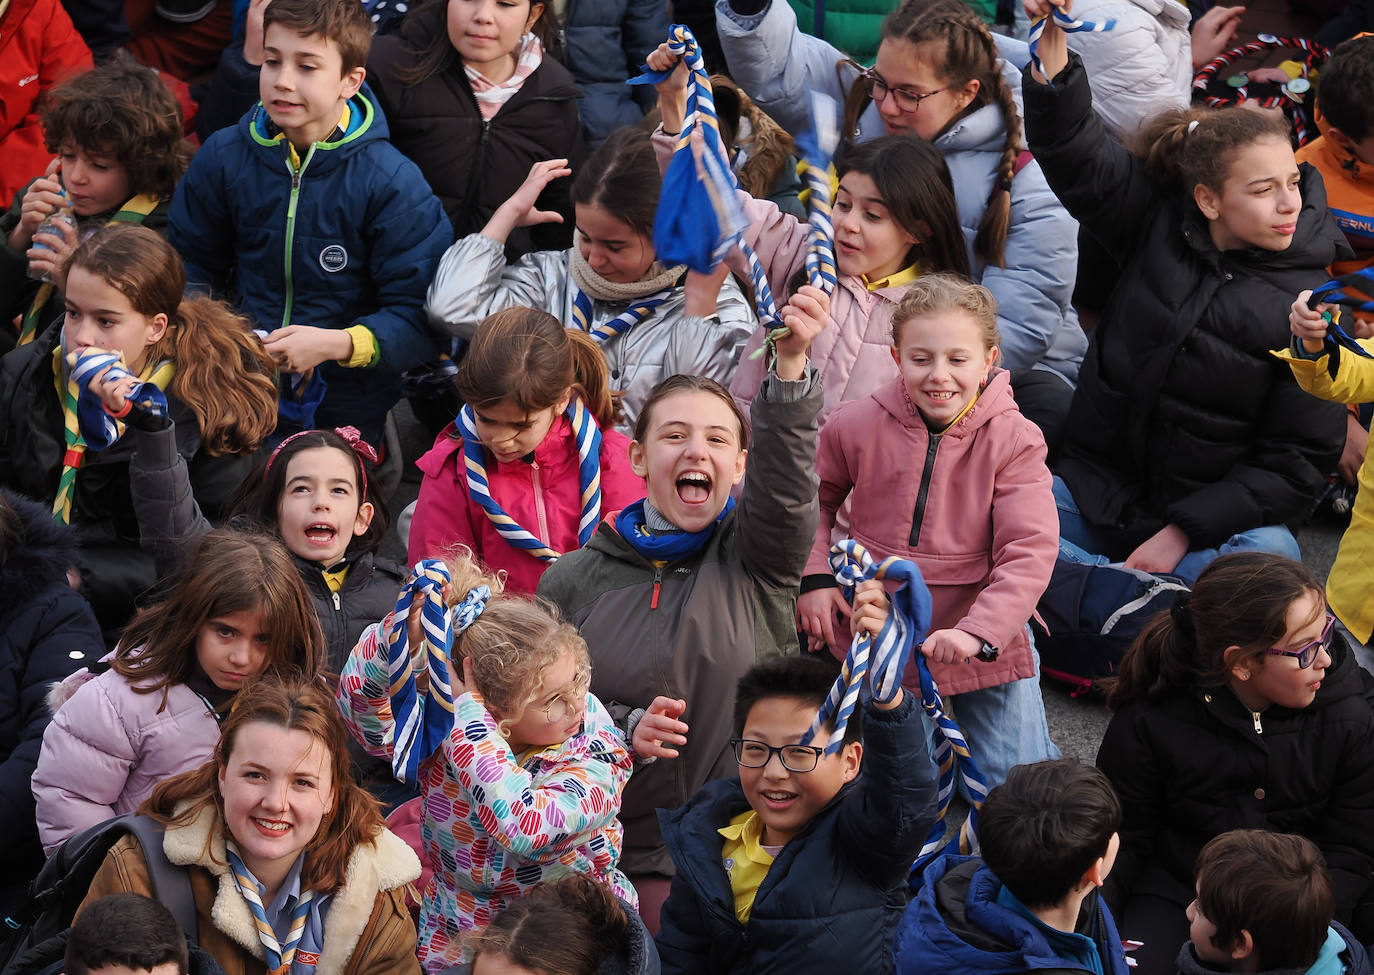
[747, 828]
[895, 280]
[295, 156]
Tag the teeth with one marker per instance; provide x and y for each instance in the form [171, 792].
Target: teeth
[274, 826]
[695, 478]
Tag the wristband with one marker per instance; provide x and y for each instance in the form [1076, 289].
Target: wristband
[128, 406]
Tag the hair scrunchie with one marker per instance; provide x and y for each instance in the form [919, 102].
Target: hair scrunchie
[1181, 614]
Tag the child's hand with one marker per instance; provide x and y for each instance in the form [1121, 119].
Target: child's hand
[1161, 552]
[253, 32]
[817, 612]
[113, 393]
[1308, 324]
[951, 646]
[1053, 49]
[702, 291]
[519, 210]
[672, 90]
[660, 728]
[1213, 33]
[41, 200]
[51, 259]
[806, 315]
[298, 348]
[871, 609]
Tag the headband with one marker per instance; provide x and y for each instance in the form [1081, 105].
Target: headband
[360, 447]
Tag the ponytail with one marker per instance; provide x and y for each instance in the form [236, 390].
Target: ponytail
[1187, 147]
[990, 243]
[592, 379]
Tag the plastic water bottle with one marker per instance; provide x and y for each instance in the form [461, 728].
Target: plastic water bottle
[49, 226]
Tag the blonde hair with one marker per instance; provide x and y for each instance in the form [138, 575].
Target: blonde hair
[935, 293]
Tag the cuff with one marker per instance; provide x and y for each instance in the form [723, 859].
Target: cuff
[1295, 346]
[365, 352]
[155, 448]
[818, 580]
[746, 14]
[777, 390]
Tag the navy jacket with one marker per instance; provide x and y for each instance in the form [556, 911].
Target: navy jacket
[836, 891]
[607, 42]
[353, 239]
[956, 925]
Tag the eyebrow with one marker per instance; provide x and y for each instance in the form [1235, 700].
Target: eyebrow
[307, 478]
[605, 240]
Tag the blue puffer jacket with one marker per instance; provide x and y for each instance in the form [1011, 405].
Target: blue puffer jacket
[352, 239]
[955, 924]
[607, 42]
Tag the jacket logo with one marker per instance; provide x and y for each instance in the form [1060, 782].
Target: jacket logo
[28, 81]
[333, 258]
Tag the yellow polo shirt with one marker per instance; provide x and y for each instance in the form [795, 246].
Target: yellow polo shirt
[746, 859]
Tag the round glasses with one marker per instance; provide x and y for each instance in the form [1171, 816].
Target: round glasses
[567, 703]
[757, 754]
[1307, 653]
[908, 101]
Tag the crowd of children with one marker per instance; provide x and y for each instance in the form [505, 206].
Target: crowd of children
[600, 723]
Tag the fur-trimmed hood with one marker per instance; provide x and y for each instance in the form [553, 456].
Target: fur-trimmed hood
[39, 559]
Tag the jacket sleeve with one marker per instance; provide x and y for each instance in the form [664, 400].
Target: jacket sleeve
[124, 871]
[1344, 838]
[473, 281]
[836, 480]
[711, 346]
[200, 225]
[160, 485]
[1335, 376]
[362, 694]
[392, 950]
[1129, 761]
[683, 941]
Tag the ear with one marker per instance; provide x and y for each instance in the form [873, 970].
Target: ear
[561, 406]
[364, 519]
[639, 461]
[1243, 947]
[965, 95]
[993, 354]
[157, 328]
[851, 759]
[1239, 667]
[352, 81]
[1339, 139]
[536, 11]
[740, 459]
[896, 354]
[1207, 201]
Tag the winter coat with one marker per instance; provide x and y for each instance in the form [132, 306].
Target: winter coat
[475, 281]
[474, 165]
[39, 49]
[1350, 197]
[607, 42]
[351, 239]
[47, 630]
[544, 496]
[108, 746]
[1340, 954]
[367, 929]
[1181, 416]
[972, 507]
[690, 629]
[1196, 762]
[635, 954]
[833, 895]
[955, 924]
[777, 65]
[855, 26]
[367, 595]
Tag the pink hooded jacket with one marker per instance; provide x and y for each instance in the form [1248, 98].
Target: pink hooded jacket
[972, 507]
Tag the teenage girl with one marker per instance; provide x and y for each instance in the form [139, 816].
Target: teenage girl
[940, 467]
[1186, 437]
[687, 324]
[537, 396]
[124, 294]
[239, 610]
[1237, 709]
[939, 76]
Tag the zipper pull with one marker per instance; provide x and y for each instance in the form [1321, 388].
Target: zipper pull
[336, 601]
[658, 583]
[1259, 728]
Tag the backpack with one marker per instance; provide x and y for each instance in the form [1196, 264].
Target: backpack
[38, 940]
[1091, 614]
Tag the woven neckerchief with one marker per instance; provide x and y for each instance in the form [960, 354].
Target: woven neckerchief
[278, 954]
[644, 295]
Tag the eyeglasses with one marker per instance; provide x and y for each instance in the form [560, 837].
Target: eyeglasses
[1307, 653]
[908, 101]
[757, 754]
[567, 703]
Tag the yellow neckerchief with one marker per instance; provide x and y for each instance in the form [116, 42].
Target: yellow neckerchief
[745, 859]
[895, 280]
[334, 578]
[962, 413]
[295, 156]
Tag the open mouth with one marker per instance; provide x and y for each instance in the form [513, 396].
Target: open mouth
[941, 395]
[693, 487]
[321, 534]
[777, 799]
[270, 827]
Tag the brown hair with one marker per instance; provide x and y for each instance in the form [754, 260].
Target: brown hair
[299, 703]
[622, 178]
[561, 928]
[438, 53]
[1181, 159]
[1274, 885]
[526, 357]
[1240, 600]
[229, 571]
[689, 384]
[121, 109]
[223, 373]
[932, 294]
[343, 22]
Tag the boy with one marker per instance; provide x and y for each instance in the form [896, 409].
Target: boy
[800, 864]
[1048, 840]
[1265, 903]
[324, 233]
[126, 934]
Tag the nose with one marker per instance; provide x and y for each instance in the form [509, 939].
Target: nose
[1290, 201]
[773, 768]
[239, 655]
[274, 796]
[1323, 660]
[321, 502]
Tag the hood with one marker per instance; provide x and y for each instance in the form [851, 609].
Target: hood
[366, 124]
[983, 130]
[1340, 953]
[1170, 11]
[40, 556]
[636, 953]
[995, 400]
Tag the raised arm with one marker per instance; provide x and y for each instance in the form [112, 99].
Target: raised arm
[363, 693]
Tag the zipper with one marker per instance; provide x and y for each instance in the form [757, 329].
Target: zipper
[478, 166]
[1259, 728]
[291, 227]
[658, 586]
[539, 505]
[337, 606]
[926, 471]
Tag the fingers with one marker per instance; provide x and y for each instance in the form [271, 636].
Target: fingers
[661, 58]
[672, 707]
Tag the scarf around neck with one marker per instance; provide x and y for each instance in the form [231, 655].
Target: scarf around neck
[491, 95]
[646, 294]
[633, 527]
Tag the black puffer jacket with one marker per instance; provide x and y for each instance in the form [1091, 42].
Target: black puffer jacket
[47, 631]
[1197, 763]
[473, 165]
[368, 593]
[1181, 415]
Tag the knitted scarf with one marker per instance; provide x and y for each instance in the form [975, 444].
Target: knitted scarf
[646, 294]
[491, 95]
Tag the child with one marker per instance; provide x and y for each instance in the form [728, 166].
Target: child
[940, 467]
[327, 234]
[131, 500]
[1264, 904]
[1185, 437]
[680, 594]
[1048, 839]
[811, 873]
[536, 394]
[1239, 708]
[239, 610]
[691, 327]
[523, 782]
[126, 934]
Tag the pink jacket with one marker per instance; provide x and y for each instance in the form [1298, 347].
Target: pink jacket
[544, 497]
[107, 746]
[988, 532]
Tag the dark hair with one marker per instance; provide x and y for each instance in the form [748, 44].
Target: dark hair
[689, 384]
[438, 54]
[526, 356]
[260, 493]
[343, 22]
[1180, 159]
[622, 178]
[131, 930]
[561, 928]
[1347, 82]
[11, 529]
[1274, 885]
[1240, 600]
[806, 678]
[122, 109]
[1043, 827]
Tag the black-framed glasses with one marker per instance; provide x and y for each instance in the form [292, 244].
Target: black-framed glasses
[908, 101]
[750, 753]
[1307, 653]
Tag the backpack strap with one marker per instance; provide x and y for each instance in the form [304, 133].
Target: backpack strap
[171, 883]
[1023, 159]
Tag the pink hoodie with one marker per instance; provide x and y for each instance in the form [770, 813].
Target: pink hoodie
[989, 531]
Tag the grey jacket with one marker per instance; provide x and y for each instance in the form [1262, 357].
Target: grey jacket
[474, 281]
[717, 611]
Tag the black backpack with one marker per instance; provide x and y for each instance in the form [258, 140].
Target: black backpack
[38, 939]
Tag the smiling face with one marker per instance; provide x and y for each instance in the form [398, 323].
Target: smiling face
[868, 241]
[563, 695]
[610, 246]
[101, 316]
[302, 84]
[690, 456]
[944, 363]
[902, 64]
[231, 648]
[486, 33]
[510, 433]
[1259, 201]
[1276, 679]
[94, 181]
[319, 512]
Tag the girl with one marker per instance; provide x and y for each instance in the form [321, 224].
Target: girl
[694, 327]
[274, 807]
[1237, 709]
[1186, 436]
[944, 448]
[535, 391]
[239, 610]
[938, 75]
[679, 594]
[124, 294]
[523, 782]
[472, 95]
